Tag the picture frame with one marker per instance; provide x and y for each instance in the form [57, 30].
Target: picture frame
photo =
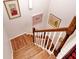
[54, 21]
[12, 8]
[36, 19]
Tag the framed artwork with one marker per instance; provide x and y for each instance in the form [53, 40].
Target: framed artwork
[37, 19]
[12, 8]
[54, 21]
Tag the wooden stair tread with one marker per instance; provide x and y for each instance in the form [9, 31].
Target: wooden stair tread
[28, 37]
[23, 49]
[42, 55]
[18, 42]
[28, 53]
[52, 56]
[21, 41]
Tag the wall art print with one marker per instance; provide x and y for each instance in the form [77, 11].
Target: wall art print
[37, 19]
[54, 21]
[12, 8]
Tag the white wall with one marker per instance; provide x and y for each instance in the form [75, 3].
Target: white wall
[6, 47]
[41, 6]
[64, 9]
[24, 23]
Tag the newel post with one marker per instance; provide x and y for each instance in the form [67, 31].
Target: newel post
[33, 34]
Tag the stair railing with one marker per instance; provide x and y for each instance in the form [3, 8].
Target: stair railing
[52, 40]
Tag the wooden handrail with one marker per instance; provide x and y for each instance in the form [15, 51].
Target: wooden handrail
[70, 29]
[51, 30]
[72, 26]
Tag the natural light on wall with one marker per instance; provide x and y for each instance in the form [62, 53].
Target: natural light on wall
[30, 4]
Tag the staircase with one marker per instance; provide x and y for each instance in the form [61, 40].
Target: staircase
[26, 49]
[43, 44]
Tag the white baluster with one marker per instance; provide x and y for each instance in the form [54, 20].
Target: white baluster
[53, 36]
[57, 41]
[49, 35]
[42, 38]
[38, 38]
[45, 38]
[35, 38]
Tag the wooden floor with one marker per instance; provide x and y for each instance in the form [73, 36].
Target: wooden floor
[21, 41]
[24, 48]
